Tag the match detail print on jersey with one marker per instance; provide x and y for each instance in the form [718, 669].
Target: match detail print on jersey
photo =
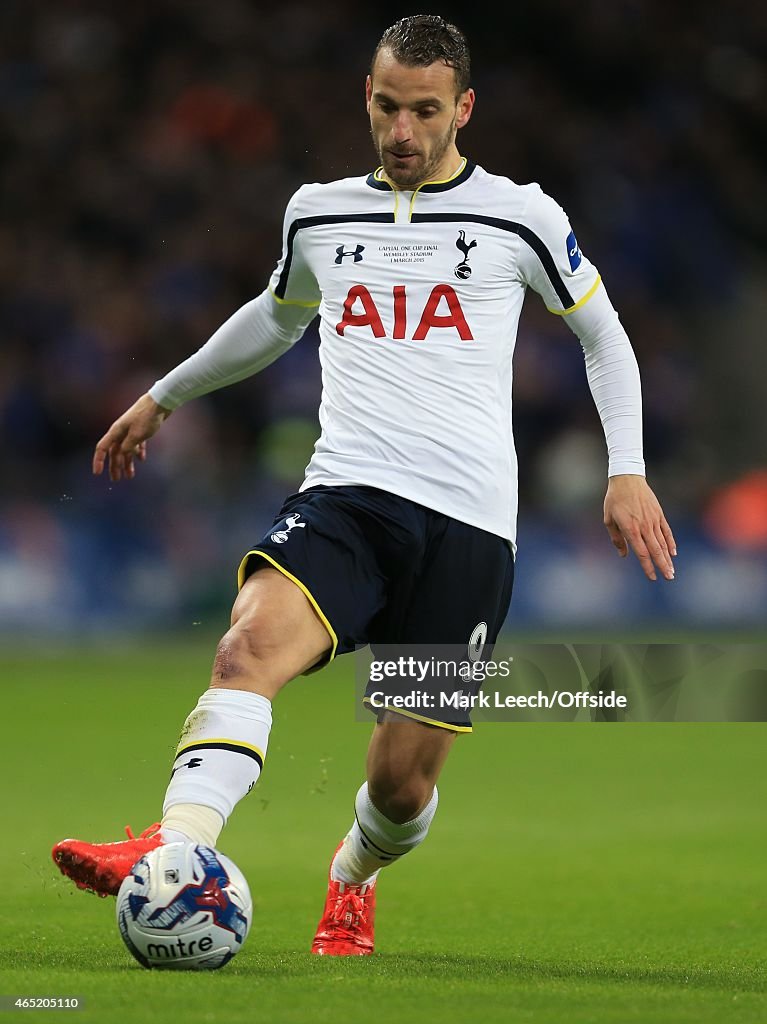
[313, 222]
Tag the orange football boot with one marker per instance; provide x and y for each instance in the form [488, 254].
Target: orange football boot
[101, 867]
[346, 927]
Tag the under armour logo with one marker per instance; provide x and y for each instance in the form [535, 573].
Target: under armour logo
[463, 270]
[356, 254]
[193, 762]
[292, 522]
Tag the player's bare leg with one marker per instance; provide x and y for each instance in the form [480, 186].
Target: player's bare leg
[393, 811]
[275, 635]
[405, 758]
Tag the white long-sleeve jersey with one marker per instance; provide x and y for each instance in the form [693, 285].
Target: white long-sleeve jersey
[419, 295]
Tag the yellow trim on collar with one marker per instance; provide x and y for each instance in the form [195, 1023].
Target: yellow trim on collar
[378, 175]
[442, 181]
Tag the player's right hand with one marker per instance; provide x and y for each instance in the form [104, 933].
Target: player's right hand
[126, 438]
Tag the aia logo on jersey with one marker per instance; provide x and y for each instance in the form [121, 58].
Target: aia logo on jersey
[355, 254]
[574, 253]
[463, 270]
[442, 295]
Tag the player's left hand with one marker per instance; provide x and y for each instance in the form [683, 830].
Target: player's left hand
[634, 518]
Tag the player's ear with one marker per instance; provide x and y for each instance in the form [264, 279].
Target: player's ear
[465, 107]
[368, 91]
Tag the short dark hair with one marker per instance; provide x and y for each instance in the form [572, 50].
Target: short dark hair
[422, 39]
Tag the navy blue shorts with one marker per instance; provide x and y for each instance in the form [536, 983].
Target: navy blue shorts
[381, 569]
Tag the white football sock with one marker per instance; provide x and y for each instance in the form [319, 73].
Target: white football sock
[183, 822]
[374, 841]
[218, 760]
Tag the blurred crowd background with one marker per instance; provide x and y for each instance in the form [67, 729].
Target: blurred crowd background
[147, 151]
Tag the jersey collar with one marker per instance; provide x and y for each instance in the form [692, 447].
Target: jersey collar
[463, 173]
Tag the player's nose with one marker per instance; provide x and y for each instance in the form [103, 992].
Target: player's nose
[402, 128]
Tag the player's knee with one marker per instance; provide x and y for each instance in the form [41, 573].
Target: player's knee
[399, 799]
[239, 651]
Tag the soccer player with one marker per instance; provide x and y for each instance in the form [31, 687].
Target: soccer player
[403, 531]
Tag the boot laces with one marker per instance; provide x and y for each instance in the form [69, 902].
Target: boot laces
[145, 834]
[346, 913]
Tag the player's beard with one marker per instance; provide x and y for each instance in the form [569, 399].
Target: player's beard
[421, 168]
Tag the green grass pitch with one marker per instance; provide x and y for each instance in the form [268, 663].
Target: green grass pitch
[575, 873]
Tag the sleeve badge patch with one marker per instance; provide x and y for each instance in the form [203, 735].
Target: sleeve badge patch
[574, 253]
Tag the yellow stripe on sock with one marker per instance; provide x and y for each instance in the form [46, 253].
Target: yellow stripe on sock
[220, 739]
